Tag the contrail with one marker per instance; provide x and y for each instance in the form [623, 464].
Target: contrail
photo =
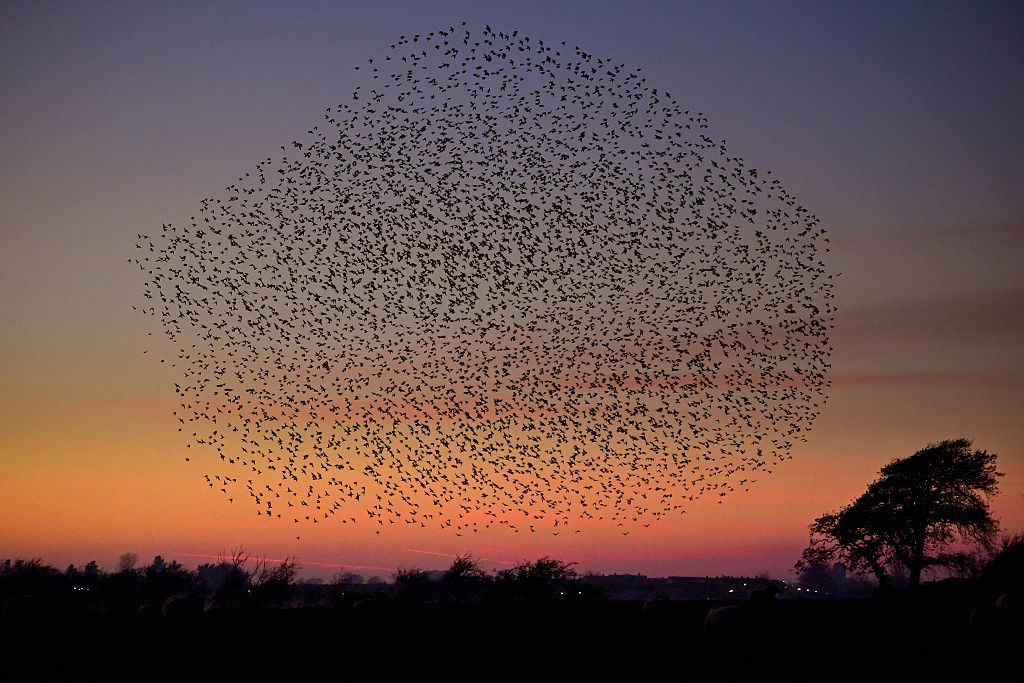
[431, 552]
[303, 562]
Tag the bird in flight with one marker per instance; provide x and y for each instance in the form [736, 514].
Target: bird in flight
[503, 283]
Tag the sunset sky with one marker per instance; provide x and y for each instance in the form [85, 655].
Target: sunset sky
[897, 124]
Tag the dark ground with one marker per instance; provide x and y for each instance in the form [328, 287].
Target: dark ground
[543, 638]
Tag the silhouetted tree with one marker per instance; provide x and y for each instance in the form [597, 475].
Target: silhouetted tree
[23, 578]
[228, 579]
[28, 589]
[127, 562]
[348, 579]
[84, 585]
[162, 580]
[911, 514]
[850, 537]
[273, 583]
[537, 580]
[464, 578]
[122, 589]
[816, 577]
[411, 585]
[1004, 571]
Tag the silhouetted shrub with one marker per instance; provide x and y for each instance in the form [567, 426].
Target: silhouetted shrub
[465, 580]
[544, 579]
[162, 580]
[1005, 571]
[412, 586]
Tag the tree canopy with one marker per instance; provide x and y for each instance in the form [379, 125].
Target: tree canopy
[910, 516]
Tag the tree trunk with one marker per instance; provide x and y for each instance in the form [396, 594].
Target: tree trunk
[915, 576]
[884, 581]
[916, 561]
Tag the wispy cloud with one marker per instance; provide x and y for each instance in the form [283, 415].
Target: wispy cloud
[994, 316]
[977, 231]
[922, 378]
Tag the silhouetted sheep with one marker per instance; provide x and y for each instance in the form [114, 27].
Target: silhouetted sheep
[183, 609]
[745, 618]
[1007, 611]
[149, 612]
[656, 606]
[372, 604]
[25, 608]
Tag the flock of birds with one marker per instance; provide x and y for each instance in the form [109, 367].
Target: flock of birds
[506, 283]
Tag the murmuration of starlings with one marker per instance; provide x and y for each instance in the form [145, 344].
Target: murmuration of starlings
[504, 283]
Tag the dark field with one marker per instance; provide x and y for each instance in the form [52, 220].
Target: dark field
[601, 633]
